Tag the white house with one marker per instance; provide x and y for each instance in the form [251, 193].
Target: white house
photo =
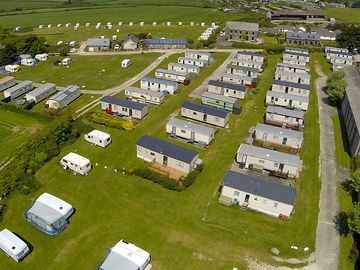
[125, 63]
[292, 68]
[63, 98]
[98, 137]
[237, 79]
[193, 61]
[184, 68]
[6, 82]
[279, 116]
[13, 246]
[302, 78]
[287, 101]
[144, 95]
[124, 107]
[27, 62]
[227, 89]
[170, 75]
[159, 85]
[291, 88]
[242, 71]
[42, 57]
[18, 90]
[41, 93]
[252, 192]
[76, 163]
[251, 56]
[200, 55]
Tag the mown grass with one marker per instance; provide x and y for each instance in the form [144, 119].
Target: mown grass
[344, 14]
[341, 145]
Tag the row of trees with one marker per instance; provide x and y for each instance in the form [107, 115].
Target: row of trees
[349, 37]
[336, 87]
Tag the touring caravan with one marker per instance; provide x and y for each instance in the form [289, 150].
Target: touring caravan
[66, 62]
[76, 163]
[125, 63]
[98, 137]
[12, 245]
[28, 62]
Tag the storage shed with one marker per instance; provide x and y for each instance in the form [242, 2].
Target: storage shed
[124, 107]
[40, 93]
[144, 95]
[63, 98]
[227, 89]
[159, 85]
[18, 90]
[7, 82]
[12, 245]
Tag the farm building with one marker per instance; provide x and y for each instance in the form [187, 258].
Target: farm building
[40, 93]
[277, 163]
[272, 136]
[165, 43]
[286, 100]
[227, 89]
[159, 85]
[250, 56]
[190, 131]
[144, 95]
[257, 194]
[18, 90]
[76, 163]
[98, 137]
[301, 38]
[302, 78]
[175, 76]
[167, 154]
[7, 82]
[218, 101]
[13, 246]
[241, 31]
[242, 71]
[297, 89]
[200, 55]
[124, 107]
[193, 61]
[97, 44]
[184, 68]
[49, 214]
[126, 256]
[42, 57]
[301, 56]
[292, 68]
[287, 14]
[237, 79]
[206, 114]
[63, 98]
[130, 43]
[279, 116]
[247, 63]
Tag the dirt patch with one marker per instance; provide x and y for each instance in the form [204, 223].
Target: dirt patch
[33, 128]
[16, 129]
[202, 257]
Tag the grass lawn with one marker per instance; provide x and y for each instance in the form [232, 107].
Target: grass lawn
[341, 145]
[269, 40]
[94, 72]
[180, 230]
[344, 14]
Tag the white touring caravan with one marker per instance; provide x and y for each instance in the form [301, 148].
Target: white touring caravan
[98, 137]
[76, 163]
[12, 245]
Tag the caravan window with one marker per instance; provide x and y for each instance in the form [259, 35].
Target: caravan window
[108, 139]
[100, 141]
[88, 165]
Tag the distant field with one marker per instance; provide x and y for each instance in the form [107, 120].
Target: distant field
[344, 14]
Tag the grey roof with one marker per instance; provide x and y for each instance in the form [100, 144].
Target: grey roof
[328, 48]
[236, 76]
[98, 42]
[41, 89]
[251, 53]
[292, 84]
[61, 95]
[115, 261]
[293, 74]
[168, 149]
[219, 97]
[279, 131]
[245, 68]
[184, 65]
[159, 81]
[268, 154]
[340, 53]
[244, 26]
[235, 87]
[287, 96]
[199, 53]
[124, 103]
[18, 86]
[166, 41]
[301, 51]
[205, 109]
[239, 60]
[186, 125]
[292, 66]
[132, 38]
[260, 187]
[286, 12]
[302, 36]
[192, 59]
[176, 73]
[325, 32]
[144, 91]
[47, 213]
[352, 78]
[284, 111]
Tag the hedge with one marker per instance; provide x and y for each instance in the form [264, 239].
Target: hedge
[111, 121]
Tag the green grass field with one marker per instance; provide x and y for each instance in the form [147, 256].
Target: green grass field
[342, 157]
[94, 72]
[344, 14]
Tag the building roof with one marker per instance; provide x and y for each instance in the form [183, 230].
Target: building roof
[183, 65]
[192, 59]
[287, 96]
[189, 126]
[61, 95]
[292, 84]
[98, 42]
[168, 149]
[6, 79]
[219, 97]
[245, 68]
[132, 38]
[268, 154]
[124, 103]
[325, 32]
[283, 111]
[335, 49]
[287, 12]
[281, 64]
[176, 73]
[251, 53]
[18, 86]
[166, 41]
[339, 53]
[41, 89]
[302, 36]
[159, 81]
[13, 243]
[257, 186]
[293, 74]
[243, 26]
[352, 78]
[205, 109]
[199, 53]
[235, 87]
[279, 131]
[144, 91]
[236, 76]
[238, 60]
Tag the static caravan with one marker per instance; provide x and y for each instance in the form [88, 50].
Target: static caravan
[6, 82]
[218, 101]
[18, 90]
[12, 68]
[76, 163]
[13, 246]
[42, 57]
[98, 137]
[175, 76]
[292, 68]
[296, 89]
[159, 85]
[287, 101]
[272, 136]
[184, 68]
[145, 96]
[247, 63]
[302, 78]
[126, 63]
[66, 61]
[227, 89]
[124, 107]
[242, 71]
[166, 154]
[63, 98]
[127, 256]
[297, 50]
[298, 62]
[279, 116]
[237, 79]
[192, 61]
[28, 62]
[251, 56]
[336, 54]
[277, 163]
[343, 50]
[258, 194]
[200, 55]
[40, 93]
[205, 114]
[49, 214]
[302, 58]
[190, 131]
[341, 61]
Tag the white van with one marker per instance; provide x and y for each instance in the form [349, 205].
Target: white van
[66, 62]
[13, 246]
[76, 163]
[98, 137]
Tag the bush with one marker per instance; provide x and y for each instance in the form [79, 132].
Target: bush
[111, 121]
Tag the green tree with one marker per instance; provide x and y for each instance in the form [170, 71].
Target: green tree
[336, 87]
[355, 180]
[8, 54]
[349, 38]
[354, 218]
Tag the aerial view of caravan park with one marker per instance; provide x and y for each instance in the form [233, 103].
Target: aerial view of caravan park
[180, 135]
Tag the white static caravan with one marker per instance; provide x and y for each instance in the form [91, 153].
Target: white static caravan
[12, 68]
[66, 61]
[124, 107]
[126, 63]
[144, 95]
[76, 163]
[175, 76]
[159, 85]
[298, 62]
[200, 55]
[343, 50]
[242, 71]
[13, 246]
[41, 93]
[302, 78]
[296, 89]
[192, 61]
[42, 57]
[257, 194]
[18, 90]
[336, 54]
[7, 82]
[98, 137]
[292, 55]
[287, 101]
[63, 98]
[341, 61]
[184, 68]
[190, 131]
[27, 62]
[237, 79]
[250, 56]
[292, 68]
[279, 116]
[227, 89]
[247, 63]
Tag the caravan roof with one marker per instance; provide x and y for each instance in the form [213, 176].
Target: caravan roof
[77, 159]
[12, 242]
[186, 125]
[42, 89]
[99, 134]
[61, 95]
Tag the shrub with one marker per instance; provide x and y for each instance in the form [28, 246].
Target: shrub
[157, 178]
[111, 121]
